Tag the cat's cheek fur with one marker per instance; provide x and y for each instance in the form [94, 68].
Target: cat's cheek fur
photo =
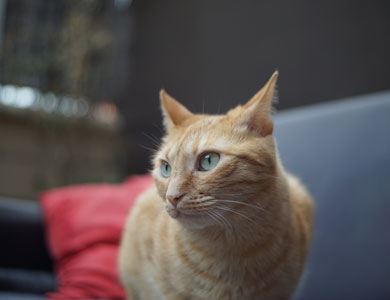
[161, 185]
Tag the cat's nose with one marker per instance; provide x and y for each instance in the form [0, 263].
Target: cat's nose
[174, 199]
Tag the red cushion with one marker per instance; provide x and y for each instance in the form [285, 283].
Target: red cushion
[84, 225]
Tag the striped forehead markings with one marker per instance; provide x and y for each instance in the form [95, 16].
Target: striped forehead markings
[190, 142]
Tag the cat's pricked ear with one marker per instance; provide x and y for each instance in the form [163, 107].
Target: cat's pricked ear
[257, 114]
[174, 113]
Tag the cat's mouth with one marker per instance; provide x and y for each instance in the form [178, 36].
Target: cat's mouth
[191, 219]
[190, 211]
[184, 214]
[180, 214]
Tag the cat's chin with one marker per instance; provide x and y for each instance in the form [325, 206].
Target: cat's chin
[196, 221]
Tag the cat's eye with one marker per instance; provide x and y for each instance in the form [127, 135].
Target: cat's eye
[208, 161]
[165, 169]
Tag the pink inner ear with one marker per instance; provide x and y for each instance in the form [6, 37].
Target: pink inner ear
[266, 128]
[258, 121]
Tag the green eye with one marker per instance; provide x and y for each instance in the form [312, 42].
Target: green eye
[208, 161]
[165, 169]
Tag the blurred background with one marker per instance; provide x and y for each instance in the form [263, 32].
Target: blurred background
[79, 79]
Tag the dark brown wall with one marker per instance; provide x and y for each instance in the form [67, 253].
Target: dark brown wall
[217, 53]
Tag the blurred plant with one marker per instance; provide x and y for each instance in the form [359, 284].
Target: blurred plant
[58, 46]
[56, 125]
[83, 44]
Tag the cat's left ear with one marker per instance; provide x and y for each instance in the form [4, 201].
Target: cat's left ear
[174, 113]
[257, 114]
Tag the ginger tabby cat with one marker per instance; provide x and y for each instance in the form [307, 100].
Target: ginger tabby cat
[235, 226]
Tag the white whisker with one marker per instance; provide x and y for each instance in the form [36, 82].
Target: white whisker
[214, 218]
[224, 221]
[236, 212]
[242, 203]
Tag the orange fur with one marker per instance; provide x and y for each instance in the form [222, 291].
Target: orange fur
[239, 231]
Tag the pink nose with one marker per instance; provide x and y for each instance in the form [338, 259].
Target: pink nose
[174, 199]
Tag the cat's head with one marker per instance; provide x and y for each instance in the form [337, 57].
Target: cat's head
[207, 164]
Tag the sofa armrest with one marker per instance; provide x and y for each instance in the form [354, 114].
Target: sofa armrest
[23, 235]
[26, 281]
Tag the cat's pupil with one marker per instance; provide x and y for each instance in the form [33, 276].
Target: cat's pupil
[165, 169]
[208, 161]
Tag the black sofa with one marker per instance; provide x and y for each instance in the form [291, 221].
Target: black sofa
[26, 268]
[341, 150]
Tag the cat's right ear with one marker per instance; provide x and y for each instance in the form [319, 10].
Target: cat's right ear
[173, 112]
